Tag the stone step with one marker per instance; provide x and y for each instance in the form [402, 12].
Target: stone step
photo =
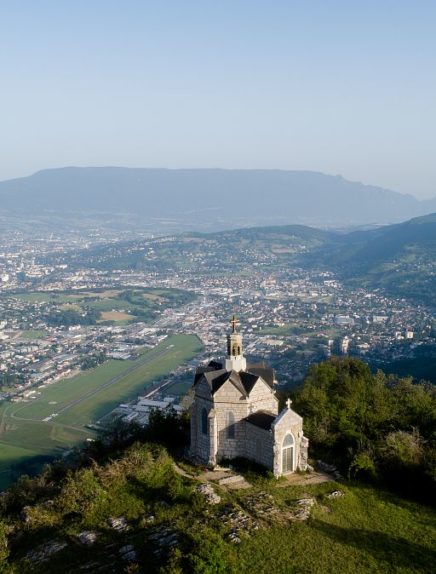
[231, 480]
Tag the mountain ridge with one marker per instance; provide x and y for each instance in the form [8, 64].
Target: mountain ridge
[225, 197]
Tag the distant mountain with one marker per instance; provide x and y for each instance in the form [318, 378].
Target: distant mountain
[209, 198]
[400, 259]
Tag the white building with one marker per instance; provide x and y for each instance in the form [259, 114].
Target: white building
[235, 413]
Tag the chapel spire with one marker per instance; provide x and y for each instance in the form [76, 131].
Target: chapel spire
[235, 359]
[233, 323]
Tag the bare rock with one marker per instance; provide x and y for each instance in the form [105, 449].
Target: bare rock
[119, 524]
[88, 537]
[149, 518]
[208, 492]
[335, 494]
[238, 523]
[45, 551]
[304, 507]
[234, 538]
[163, 537]
[263, 506]
[128, 552]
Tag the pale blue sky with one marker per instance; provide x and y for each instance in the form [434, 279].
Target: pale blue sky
[336, 86]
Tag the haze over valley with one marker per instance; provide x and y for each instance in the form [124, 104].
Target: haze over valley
[202, 199]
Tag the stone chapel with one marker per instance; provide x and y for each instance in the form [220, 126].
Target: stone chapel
[235, 413]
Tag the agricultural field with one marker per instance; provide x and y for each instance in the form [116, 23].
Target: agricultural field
[32, 334]
[117, 316]
[102, 305]
[57, 418]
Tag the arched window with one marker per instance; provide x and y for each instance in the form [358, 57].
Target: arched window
[288, 454]
[204, 421]
[230, 425]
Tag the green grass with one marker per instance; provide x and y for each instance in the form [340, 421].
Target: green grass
[85, 300]
[84, 399]
[40, 440]
[142, 304]
[109, 305]
[10, 452]
[32, 334]
[180, 388]
[367, 530]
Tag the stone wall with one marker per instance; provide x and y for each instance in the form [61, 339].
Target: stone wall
[262, 397]
[228, 399]
[249, 441]
[200, 443]
[259, 445]
[304, 453]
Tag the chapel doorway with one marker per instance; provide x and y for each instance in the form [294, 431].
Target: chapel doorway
[288, 454]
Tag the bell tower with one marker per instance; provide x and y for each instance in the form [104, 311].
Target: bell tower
[235, 359]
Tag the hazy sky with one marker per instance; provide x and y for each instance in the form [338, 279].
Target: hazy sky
[344, 87]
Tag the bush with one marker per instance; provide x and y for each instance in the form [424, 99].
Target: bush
[208, 554]
[369, 424]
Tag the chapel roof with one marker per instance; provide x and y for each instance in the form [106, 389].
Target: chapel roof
[243, 380]
[261, 419]
[262, 370]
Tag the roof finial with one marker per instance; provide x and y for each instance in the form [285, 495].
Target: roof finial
[233, 323]
[289, 403]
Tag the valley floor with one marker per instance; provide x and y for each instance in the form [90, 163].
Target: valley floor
[33, 432]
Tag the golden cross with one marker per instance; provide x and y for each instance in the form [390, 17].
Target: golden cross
[233, 323]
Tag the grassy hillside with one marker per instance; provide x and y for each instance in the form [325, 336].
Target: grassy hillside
[171, 529]
[128, 506]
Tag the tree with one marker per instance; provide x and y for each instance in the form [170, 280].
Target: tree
[371, 425]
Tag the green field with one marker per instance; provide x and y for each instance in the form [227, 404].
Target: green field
[33, 334]
[81, 400]
[141, 304]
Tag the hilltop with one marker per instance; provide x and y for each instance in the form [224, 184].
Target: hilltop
[127, 505]
[137, 514]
